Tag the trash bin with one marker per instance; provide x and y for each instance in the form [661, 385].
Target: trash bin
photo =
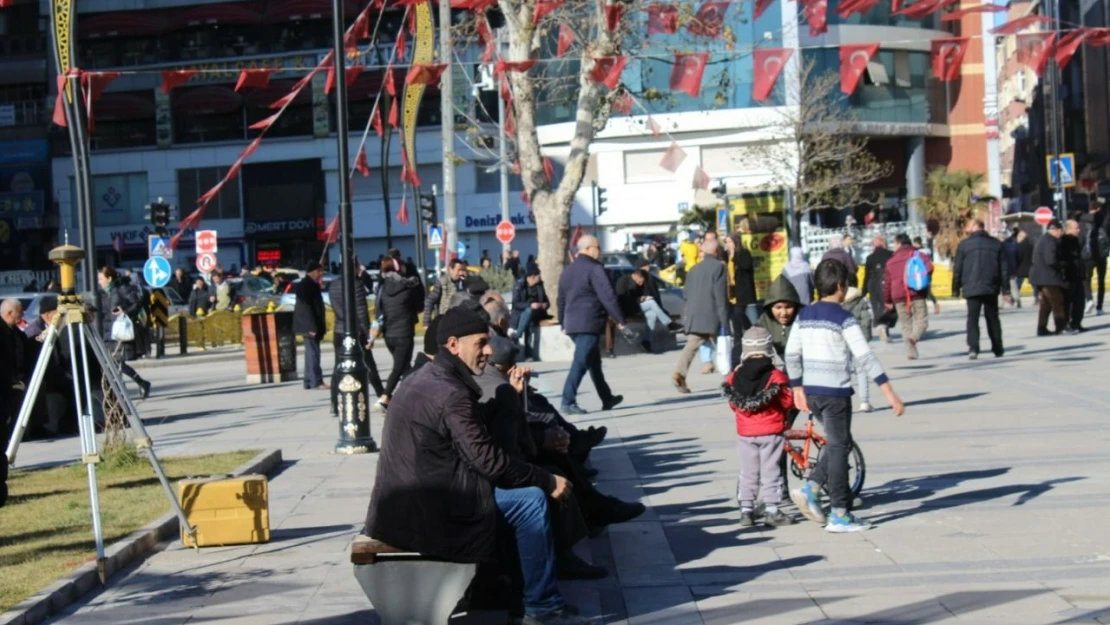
[270, 347]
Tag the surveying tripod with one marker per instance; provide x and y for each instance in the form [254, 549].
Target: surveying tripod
[74, 319]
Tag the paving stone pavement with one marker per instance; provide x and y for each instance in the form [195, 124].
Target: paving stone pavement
[990, 500]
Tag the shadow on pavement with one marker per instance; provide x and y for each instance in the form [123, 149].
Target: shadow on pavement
[945, 400]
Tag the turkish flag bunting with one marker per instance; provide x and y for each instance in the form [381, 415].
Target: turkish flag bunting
[708, 20]
[390, 85]
[1015, 26]
[400, 47]
[408, 173]
[176, 78]
[919, 10]
[1069, 44]
[59, 103]
[672, 158]
[662, 19]
[485, 36]
[253, 78]
[513, 66]
[895, 6]
[855, 6]
[545, 7]
[701, 179]
[361, 164]
[760, 7]
[947, 55]
[623, 103]
[853, 62]
[331, 234]
[284, 100]
[687, 72]
[376, 119]
[817, 15]
[1033, 49]
[767, 64]
[1099, 37]
[94, 85]
[566, 40]
[524, 197]
[394, 113]
[265, 123]
[250, 149]
[654, 127]
[607, 70]
[613, 14]
[506, 93]
[403, 212]
[352, 73]
[548, 169]
[6, 3]
[477, 6]
[955, 16]
[510, 120]
[189, 222]
[360, 30]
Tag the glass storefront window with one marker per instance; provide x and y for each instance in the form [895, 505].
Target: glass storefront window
[896, 88]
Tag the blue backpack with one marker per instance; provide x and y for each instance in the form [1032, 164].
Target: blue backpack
[917, 273]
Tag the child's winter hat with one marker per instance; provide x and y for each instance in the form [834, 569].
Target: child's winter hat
[757, 341]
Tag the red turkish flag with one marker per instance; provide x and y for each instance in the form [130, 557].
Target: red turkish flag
[189, 222]
[701, 179]
[176, 78]
[1099, 37]
[360, 30]
[390, 85]
[672, 158]
[259, 78]
[403, 212]
[687, 72]
[708, 20]
[767, 64]
[548, 169]
[613, 16]
[59, 103]
[513, 66]
[607, 70]
[94, 85]
[421, 74]
[1069, 44]
[817, 15]
[361, 164]
[853, 62]
[654, 127]
[760, 7]
[400, 47]
[566, 40]
[955, 16]
[351, 72]
[376, 119]
[510, 121]
[1015, 26]
[623, 104]
[948, 53]
[1033, 49]
[846, 9]
[250, 149]
[394, 114]
[285, 100]
[544, 7]
[485, 36]
[663, 19]
[331, 234]
[265, 123]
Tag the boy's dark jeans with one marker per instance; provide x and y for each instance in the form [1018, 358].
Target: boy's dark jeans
[835, 414]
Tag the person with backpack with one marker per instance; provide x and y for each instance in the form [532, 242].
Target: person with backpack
[120, 299]
[905, 286]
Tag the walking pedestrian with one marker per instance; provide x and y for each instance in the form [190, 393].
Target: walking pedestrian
[120, 300]
[181, 284]
[398, 304]
[361, 332]
[586, 301]
[741, 286]
[906, 269]
[1096, 245]
[308, 321]
[1025, 265]
[1011, 253]
[800, 274]
[439, 295]
[874, 272]
[980, 272]
[1047, 274]
[706, 314]
[1071, 256]
[837, 252]
[927, 252]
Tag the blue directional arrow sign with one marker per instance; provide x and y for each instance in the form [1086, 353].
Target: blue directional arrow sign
[722, 220]
[157, 272]
[1061, 170]
[461, 249]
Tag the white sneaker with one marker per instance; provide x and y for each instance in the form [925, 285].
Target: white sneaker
[865, 407]
[511, 332]
[1090, 306]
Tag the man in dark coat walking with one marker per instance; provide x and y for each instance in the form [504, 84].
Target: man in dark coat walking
[874, 269]
[308, 321]
[1012, 254]
[980, 272]
[1047, 274]
[1025, 264]
[706, 314]
[443, 484]
[1075, 293]
[586, 301]
[1096, 244]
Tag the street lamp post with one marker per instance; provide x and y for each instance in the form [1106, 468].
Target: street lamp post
[351, 374]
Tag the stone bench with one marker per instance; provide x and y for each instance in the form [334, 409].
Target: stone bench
[557, 347]
[408, 588]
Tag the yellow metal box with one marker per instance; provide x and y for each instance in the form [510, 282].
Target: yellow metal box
[226, 511]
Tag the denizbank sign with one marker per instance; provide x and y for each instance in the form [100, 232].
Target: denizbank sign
[490, 221]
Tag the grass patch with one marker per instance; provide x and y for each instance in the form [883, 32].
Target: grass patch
[46, 527]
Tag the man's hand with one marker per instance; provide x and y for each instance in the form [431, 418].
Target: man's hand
[312, 334]
[888, 306]
[536, 305]
[518, 378]
[562, 488]
[800, 399]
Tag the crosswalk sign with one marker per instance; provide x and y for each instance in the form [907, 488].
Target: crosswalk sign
[722, 220]
[1061, 170]
[435, 237]
[159, 246]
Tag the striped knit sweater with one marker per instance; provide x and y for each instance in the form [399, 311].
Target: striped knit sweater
[823, 344]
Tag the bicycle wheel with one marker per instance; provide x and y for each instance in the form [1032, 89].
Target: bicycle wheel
[857, 469]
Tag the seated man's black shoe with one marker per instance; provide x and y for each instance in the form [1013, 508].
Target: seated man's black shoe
[570, 566]
[591, 472]
[612, 403]
[594, 435]
[620, 511]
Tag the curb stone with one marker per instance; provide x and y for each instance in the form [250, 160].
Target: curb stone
[118, 556]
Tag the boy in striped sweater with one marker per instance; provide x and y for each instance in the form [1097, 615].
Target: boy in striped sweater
[825, 341]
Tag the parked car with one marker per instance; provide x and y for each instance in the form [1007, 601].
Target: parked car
[254, 291]
[671, 295]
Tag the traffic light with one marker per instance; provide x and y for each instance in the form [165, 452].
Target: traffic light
[720, 190]
[159, 216]
[600, 199]
[428, 208]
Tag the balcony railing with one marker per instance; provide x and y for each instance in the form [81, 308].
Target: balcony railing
[24, 113]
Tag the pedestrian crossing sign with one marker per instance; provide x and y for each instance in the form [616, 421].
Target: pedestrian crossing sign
[435, 236]
[1061, 170]
[159, 246]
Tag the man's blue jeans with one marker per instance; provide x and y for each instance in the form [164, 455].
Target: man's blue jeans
[654, 314]
[587, 357]
[529, 334]
[522, 513]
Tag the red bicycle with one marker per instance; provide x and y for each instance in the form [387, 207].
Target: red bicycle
[804, 454]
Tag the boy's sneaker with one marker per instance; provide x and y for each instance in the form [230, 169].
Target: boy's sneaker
[747, 518]
[806, 500]
[864, 407]
[777, 518]
[846, 523]
[911, 349]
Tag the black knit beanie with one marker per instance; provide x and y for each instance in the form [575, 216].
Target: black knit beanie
[459, 322]
[431, 346]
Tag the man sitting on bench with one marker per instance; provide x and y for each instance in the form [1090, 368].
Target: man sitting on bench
[444, 486]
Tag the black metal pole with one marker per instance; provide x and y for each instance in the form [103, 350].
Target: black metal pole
[351, 374]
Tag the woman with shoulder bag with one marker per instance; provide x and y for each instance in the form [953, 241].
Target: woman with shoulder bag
[122, 307]
[398, 304]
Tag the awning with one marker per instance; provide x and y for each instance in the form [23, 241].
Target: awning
[263, 98]
[212, 100]
[119, 24]
[293, 10]
[215, 14]
[123, 106]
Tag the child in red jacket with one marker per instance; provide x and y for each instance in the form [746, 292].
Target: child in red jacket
[760, 396]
